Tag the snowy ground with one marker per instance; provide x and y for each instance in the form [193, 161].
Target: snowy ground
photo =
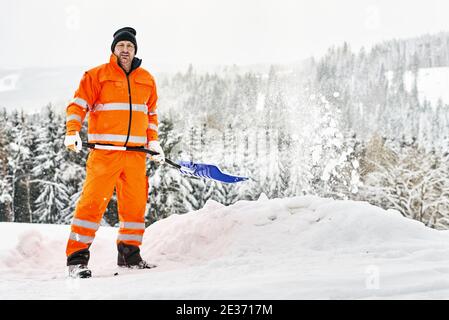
[297, 248]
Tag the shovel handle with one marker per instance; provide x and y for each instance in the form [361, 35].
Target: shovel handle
[121, 148]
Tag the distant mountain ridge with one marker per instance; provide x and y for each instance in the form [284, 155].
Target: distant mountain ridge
[31, 89]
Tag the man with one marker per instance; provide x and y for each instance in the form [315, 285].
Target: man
[120, 98]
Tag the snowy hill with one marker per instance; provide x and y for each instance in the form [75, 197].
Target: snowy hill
[31, 89]
[297, 248]
[432, 84]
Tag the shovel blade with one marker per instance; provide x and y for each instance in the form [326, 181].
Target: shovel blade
[208, 171]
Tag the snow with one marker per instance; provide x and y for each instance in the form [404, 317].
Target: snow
[294, 248]
[9, 82]
[31, 89]
[432, 83]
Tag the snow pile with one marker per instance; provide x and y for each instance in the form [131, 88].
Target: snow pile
[296, 248]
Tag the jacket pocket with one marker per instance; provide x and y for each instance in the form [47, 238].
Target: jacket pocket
[113, 89]
[143, 87]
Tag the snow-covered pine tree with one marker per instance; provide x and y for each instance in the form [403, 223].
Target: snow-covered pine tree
[344, 178]
[6, 189]
[48, 169]
[167, 190]
[227, 193]
[268, 150]
[34, 121]
[301, 120]
[285, 162]
[250, 190]
[202, 189]
[327, 147]
[437, 125]
[249, 86]
[280, 160]
[20, 160]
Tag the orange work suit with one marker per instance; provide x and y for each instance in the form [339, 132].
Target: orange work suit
[121, 111]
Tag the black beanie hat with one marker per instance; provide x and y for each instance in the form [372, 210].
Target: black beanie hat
[126, 33]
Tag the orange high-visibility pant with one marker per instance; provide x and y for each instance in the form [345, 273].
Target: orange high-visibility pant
[105, 169]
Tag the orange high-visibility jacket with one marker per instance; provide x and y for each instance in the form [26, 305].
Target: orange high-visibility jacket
[122, 108]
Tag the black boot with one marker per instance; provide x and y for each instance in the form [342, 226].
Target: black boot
[77, 263]
[129, 257]
[79, 257]
[79, 271]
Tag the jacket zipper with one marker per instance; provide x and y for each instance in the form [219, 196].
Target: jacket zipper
[130, 110]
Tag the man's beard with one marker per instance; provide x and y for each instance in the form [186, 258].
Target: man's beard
[125, 63]
[125, 59]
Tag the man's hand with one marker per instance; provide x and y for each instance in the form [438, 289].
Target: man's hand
[73, 141]
[156, 147]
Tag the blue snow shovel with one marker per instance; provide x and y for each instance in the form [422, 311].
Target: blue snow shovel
[200, 170]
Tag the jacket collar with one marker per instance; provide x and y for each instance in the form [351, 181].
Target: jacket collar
[134, 65]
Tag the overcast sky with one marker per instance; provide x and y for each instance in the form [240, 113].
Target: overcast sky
[67, 32]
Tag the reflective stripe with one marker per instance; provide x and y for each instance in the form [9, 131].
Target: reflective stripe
[102, 147]
[132, 225]
[73, 117]
[121, 106]
[81, 102]
[85, 224]
[130, 237]
[152, 113]
[116, 138]
[84, 239]
[152, 126]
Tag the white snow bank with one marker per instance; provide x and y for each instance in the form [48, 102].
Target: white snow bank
[296, 248]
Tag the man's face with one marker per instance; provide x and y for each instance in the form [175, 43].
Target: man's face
[125, 52]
